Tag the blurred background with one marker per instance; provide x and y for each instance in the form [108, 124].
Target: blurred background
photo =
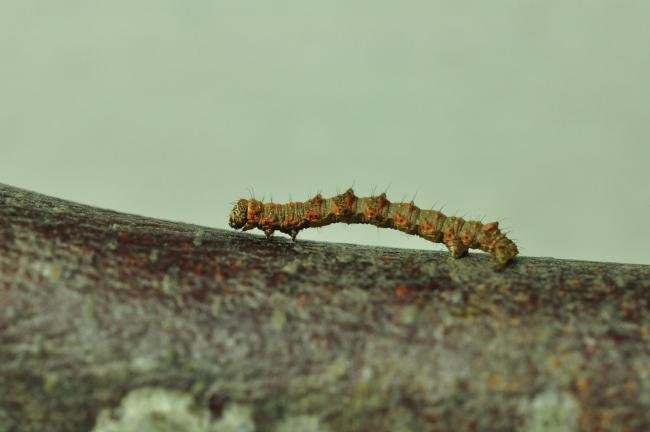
[528, 112]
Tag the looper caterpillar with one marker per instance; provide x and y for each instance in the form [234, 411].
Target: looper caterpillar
[456, 233]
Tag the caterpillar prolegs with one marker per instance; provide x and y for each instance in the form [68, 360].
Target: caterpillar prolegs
[456, 233]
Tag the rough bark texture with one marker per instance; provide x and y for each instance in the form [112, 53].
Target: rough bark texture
[115, 322]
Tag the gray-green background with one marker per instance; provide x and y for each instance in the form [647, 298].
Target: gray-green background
[535, 113]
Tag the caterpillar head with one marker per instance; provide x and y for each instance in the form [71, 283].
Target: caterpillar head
[238, 214]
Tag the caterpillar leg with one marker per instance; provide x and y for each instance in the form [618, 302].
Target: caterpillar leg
[456, 251]
[269, 233]
[291, 232]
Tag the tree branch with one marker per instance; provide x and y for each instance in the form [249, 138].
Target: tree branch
[115, 322]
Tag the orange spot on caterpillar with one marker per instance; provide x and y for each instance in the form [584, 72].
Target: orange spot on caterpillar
[374, 208]
[449, 234]
[342, 205]
[456, 233]
[426, 227]
[369, 212]
[313, 215]
[469, 233]
[401, 221]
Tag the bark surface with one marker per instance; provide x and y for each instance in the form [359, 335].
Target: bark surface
[116, 322]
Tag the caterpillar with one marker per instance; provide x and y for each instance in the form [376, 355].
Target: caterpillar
[456, 233]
